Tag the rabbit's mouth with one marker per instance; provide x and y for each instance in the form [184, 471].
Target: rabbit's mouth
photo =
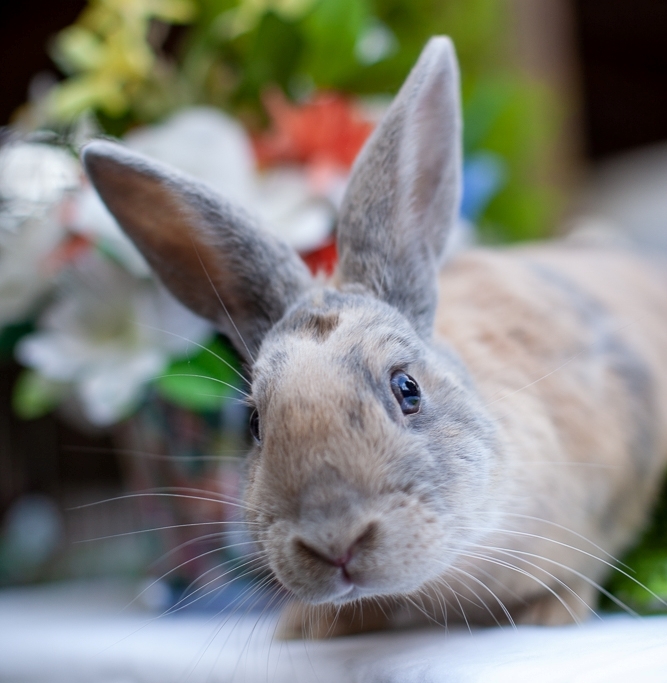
[367, 550]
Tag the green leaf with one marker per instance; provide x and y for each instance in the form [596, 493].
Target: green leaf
[332, 30]
[35, 395]
[274, 52]
[648, 567]
[205, 381]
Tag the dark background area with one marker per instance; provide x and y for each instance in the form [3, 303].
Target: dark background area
[621, 51]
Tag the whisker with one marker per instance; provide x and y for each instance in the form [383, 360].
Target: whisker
[539, 379]
[161, 528]
[571, 531]
[208, 377]
[148, 623]
[496, 598]
[604, 591]
[458, 602]
[516, 532]
[201, 346]
[565, 545]
[227, 455]
[250, 591]
[167, 494]
[171, 571]
[186, 601]
[423, 611]
[509, 565]
[185, 544]
[222, 303]
[513, 555]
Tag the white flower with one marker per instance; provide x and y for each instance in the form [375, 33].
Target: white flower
[34, 178]
[212, 147]
[109, 335]
[291, 210]
[206, 144]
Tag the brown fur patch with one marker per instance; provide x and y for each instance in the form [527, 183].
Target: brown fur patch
[322, 325]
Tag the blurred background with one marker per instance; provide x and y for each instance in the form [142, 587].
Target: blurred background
[109, 390]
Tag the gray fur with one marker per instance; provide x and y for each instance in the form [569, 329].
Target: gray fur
[403, 196]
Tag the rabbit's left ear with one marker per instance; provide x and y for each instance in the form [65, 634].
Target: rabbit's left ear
[404, 193]
[209, 253]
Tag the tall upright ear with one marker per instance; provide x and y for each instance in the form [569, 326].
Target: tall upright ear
[210, 254]
[404, 192]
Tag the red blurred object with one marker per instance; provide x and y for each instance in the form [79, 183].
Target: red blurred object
[323, 259]
[68, 251]
[327, 131]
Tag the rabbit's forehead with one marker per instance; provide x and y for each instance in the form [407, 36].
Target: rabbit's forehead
[336, 344]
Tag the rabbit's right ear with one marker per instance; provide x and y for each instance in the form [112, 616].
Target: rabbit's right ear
[209, 253]
[404, 192]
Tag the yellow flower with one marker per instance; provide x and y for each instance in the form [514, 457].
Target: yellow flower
[107, 54]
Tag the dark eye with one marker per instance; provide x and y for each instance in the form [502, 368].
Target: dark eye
[254, 426]
[406, 391]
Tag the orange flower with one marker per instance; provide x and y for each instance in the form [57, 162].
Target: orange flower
[326, 132]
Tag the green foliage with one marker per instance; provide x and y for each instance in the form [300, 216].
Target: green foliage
[34, 395]
[9, 336]
[644, 588]
[204, 381]
[331, 31]
[232, 50]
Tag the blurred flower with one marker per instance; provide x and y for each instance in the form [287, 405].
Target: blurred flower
[327, 130]
[108, 53]
[108, 335]
[205, 143]
[307, 155]
[34, 178]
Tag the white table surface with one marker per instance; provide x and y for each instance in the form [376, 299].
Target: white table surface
[76, 633]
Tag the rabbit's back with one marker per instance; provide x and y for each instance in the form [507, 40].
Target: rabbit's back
[568, 348]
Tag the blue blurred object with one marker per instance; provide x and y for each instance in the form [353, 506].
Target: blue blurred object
[484, 175]
[32, 531]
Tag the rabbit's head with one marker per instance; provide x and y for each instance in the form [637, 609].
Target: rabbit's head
[372, 450]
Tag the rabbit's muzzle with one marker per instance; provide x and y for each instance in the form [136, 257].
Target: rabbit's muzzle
[352, 548]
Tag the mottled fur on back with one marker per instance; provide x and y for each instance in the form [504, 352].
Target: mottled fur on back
[473, 443]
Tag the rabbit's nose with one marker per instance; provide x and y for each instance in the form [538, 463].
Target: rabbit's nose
[330, 554]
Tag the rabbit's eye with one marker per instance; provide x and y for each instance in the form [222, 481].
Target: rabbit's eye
[254, 426]
[406, 391]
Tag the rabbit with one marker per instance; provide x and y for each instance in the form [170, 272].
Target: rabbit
[474, 442]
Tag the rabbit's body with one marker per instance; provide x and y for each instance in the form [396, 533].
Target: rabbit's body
[473, 443]
[567, 347]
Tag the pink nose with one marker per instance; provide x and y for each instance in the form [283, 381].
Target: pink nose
[341, 561]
